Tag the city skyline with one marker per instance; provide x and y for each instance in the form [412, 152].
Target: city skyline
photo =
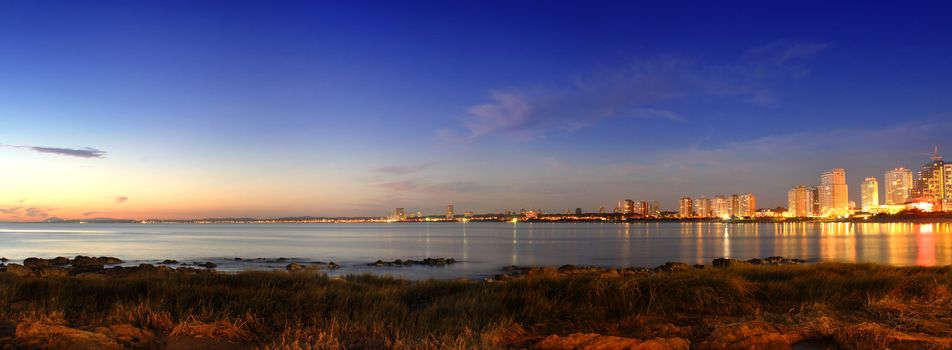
[177, 110]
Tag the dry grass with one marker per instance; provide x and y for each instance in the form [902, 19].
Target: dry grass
[851, 305]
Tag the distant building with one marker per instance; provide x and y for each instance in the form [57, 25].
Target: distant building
[870, 192]
[686, 209]
[468, 214]
[802, 202]
[654, 209]
[400, 214]
[747, 205]
[702, 207]
[578, 211]
[734, 205]
[899, 186]
[627, 206]
[450, 213]
[720, 207]
[601, 210]
[834, 195]
[947, 205]
[931, 184]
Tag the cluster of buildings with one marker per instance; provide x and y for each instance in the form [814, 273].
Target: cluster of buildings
[735, 205]
[929, 189]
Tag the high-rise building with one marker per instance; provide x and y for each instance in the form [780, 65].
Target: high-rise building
[747, 205]
[734, 205]
[720, 207]
[802, 201]
[931, 183]
[947, 205]
[399, 214]
[578, 211]
[654, 209]
[899, 186]
[834, 198]
[450, 213]
[686, 209]
[702, 207]
[870, 192]
[627, 207]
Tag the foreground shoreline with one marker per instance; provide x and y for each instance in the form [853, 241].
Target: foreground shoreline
[825, 305]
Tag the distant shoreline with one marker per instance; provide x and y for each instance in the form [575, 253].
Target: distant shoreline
[945, 217]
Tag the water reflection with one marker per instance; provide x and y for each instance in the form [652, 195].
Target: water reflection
[483, 248]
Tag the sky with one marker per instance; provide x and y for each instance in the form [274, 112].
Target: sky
[198, 109]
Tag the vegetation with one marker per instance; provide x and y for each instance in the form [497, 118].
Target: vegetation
[845, 305]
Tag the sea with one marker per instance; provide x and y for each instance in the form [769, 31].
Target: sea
[480, 249]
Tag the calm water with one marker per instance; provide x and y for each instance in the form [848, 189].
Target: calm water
[482, 248]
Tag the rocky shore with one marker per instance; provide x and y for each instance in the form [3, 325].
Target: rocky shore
[771, 303]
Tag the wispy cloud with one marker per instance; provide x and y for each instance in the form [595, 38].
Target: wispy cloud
[121, 199]
[17, 212]
[86, 152]
[633, 90]
[403, 169]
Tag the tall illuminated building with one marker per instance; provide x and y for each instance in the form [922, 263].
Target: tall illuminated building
[450, 213]
[720, 207]
[747, 205]
[834, 196]
[947, 205]
[686, 207]
[734, 205]
[702, 207]
[931, 183]
[899, 186]
[627, 206]
[802, 201]
[654, 209]
[870, 193]
[400, 214]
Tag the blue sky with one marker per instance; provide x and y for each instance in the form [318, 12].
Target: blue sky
[220, 108]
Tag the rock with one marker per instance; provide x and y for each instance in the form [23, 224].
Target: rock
[60, 261]
[208, 265]
[40, 335]
[727, 262]
[605, 342]
[294, 267]
[237, 259]
[3, 260]
[37, 262]
[757, 261]
[698, 266]
[19, 270]
[750, 335]
[128, 335]
[673, 266]
[332, 265]
[81, 264]
[169, 262]
[108, 260]
[775, 260]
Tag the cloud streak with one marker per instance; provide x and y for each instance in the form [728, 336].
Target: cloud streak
[403, 169]
[86, 152]
[121, 199]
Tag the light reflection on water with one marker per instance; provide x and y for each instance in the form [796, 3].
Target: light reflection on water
[484, 248]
